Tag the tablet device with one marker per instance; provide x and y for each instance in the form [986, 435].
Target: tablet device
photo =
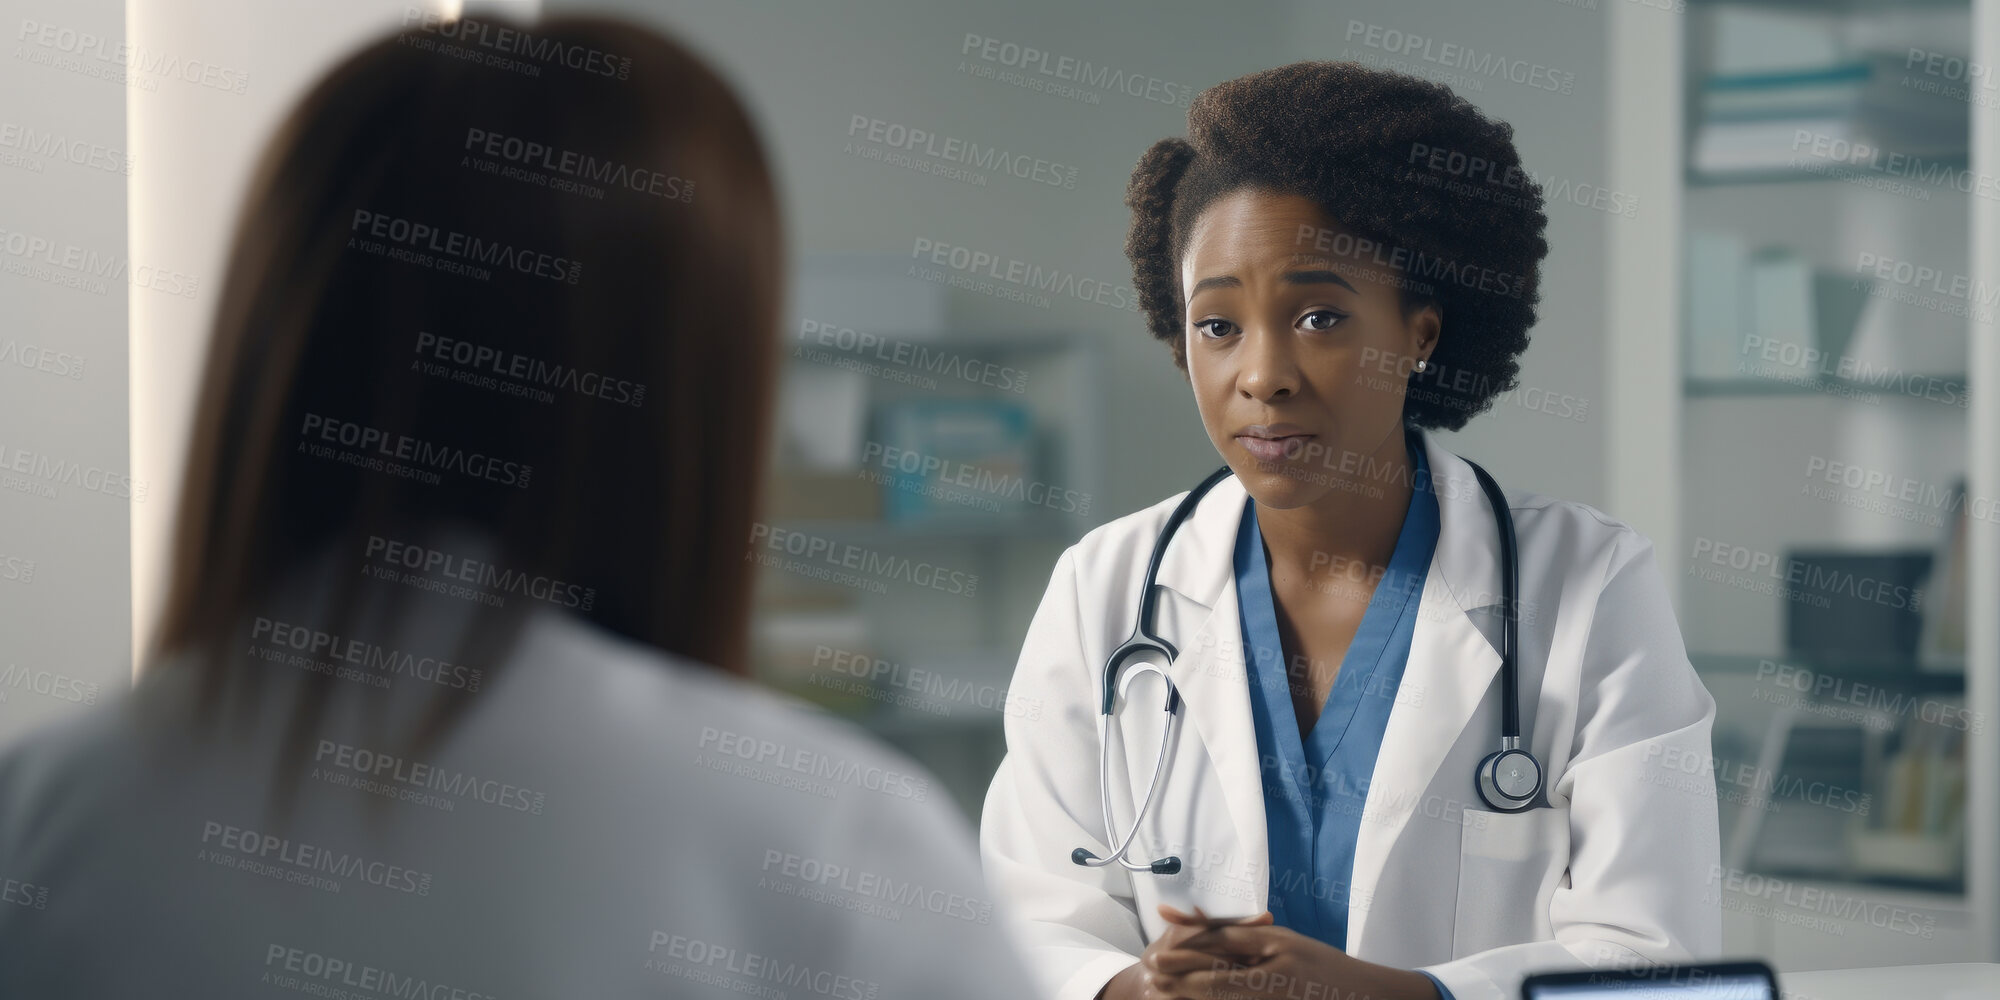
[1714, 980]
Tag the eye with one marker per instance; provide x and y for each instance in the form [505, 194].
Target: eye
[1321, 319]
[1216, 328]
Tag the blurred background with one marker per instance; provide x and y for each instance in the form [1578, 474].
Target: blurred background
[1775, 232]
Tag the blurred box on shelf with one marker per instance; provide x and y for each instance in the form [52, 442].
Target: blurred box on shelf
[1941, 645]
[1718, 270]
[1766, 314]
[1838, 302]
[793, 648]
[801, 495]
[823, 413]
[1781, 314]
[952, 460]
[1861, 609]
[873, 295]
[1750, 39]
[1821, 113]
[1900, 854]
[1917, 830]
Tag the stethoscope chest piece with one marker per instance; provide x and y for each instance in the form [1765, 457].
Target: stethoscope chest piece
[1509, 779]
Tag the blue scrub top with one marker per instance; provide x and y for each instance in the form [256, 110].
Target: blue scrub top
[1314, 787]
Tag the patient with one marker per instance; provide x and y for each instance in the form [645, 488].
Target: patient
[447, 697]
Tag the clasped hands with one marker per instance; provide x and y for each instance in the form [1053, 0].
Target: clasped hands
[1204, 957]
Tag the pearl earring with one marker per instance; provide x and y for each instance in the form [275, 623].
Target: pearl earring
[1422, 364]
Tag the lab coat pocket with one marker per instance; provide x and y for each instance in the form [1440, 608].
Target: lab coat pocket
[1508, 867]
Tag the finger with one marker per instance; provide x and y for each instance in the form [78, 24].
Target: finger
[1202, 985]
[1197, 919]
[1206, 946]
[1241, 982]
[1201, 917]
[1172, 961]
[1236, 940]
[1159, 986]
[1178, 961]
[1179, 925]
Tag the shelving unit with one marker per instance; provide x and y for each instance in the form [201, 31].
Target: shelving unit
[924, 668]
[1746, 449]
[1705, 388]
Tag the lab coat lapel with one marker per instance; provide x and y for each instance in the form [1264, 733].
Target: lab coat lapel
[1450, 668]
[1199, 613]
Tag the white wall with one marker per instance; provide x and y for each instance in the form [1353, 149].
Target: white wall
[64, 286]
[807, 68]
[1644, 142]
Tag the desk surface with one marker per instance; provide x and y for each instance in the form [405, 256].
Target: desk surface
[1962, 981]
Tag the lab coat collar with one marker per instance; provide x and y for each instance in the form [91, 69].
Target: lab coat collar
[1198, 565]
[1451, 666]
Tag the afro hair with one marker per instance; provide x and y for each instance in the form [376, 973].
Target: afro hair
[1403, 162]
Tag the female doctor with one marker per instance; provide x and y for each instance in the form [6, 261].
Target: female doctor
[1339, 259]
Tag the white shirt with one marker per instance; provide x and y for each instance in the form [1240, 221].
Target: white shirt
[604, 821]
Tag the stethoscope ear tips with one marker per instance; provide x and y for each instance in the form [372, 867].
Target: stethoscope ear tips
[1164, 866]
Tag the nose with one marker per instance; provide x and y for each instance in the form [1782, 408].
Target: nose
[1269, 370]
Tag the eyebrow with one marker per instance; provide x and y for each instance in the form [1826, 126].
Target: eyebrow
[1320, 277]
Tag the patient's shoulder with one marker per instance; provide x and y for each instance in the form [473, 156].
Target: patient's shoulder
[681, 709]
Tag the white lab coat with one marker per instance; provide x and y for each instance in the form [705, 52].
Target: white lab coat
[1610, 871]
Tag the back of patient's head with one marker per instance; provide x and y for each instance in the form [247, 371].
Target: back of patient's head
[533, 302]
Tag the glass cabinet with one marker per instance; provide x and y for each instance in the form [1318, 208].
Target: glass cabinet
[1830, 301]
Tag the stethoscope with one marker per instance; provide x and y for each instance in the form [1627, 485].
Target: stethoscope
[1508, 779]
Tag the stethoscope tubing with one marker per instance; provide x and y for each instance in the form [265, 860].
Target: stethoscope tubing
[1124, 844]
[1502, 797]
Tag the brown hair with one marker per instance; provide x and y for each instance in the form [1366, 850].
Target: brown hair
[604, 235]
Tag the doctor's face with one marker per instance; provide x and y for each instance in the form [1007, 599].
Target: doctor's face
[1298, 348]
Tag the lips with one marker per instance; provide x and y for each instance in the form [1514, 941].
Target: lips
[1273, 442]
